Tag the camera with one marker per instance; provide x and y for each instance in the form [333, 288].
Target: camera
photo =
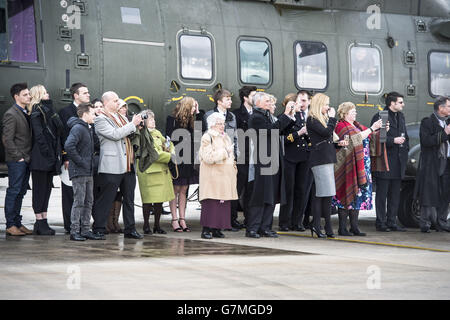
[144, 116]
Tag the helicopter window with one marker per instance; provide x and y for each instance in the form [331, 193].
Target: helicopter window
[439, 66]
[255, 61]
[196, 57]
[131, 15]
[312, 67]
[365, 64]
[18, 31]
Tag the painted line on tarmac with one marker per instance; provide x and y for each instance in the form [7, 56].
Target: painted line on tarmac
[366, 242]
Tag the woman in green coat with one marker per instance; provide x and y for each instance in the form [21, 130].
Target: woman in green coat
[155, 180]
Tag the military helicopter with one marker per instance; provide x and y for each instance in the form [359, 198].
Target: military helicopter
[155, 52]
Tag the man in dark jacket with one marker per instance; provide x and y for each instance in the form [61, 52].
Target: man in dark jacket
[242, 114]
[389, 183]
[266, 166]
[80, 94]
[17, 142]
[433, 180]
[80, 151]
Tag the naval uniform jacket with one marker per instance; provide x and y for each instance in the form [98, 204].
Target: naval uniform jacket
[296, 147]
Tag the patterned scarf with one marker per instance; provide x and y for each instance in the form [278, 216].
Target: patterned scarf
[350, 173]
[129, 148]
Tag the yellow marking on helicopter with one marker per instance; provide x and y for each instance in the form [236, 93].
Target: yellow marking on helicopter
[367, 242]
[135, 98]
[195, 89]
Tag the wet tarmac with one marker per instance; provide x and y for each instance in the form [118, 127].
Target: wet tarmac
[177, 266]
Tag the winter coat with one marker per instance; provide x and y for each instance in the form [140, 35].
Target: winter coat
[397, 155]
[186, 170]
[155, 182]
[80, 149]
[218, 173]
[323, 150]
[46, 154]
[267, 188]
[430, 186]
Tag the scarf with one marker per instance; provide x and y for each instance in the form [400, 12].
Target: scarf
[129, 148]
[350, 173]
[444, 146]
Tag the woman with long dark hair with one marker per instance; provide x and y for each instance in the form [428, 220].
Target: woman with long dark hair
[183, 117]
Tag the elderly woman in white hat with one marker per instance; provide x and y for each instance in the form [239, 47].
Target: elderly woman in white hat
[217, 178]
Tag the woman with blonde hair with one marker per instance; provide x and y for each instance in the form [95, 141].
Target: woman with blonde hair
[155, 180]
[183, 117]
[320, 124]
[218, 178]
[45, 155]
[352, 170]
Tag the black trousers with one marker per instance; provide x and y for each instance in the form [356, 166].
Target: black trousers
[67, 202]
[259, 219]
[243, 190]
[388, 190]
[42, 189]
[298, 182]
[108, 184]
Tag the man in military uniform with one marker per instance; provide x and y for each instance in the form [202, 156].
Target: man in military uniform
[299, 177]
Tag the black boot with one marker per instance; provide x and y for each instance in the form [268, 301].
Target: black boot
[353, 214]
[50, 230]
[343, 214]
[41, 228]
[146, 208]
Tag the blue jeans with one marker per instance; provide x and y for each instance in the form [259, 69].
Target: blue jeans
[18, 176]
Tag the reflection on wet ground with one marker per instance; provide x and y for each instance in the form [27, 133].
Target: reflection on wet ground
[58, 249]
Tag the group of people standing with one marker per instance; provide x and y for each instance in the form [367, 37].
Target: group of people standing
[306, 159]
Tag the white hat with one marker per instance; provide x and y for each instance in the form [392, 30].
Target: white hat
[122, 103]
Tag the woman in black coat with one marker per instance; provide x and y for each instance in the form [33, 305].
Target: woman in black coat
[45, 155]
[183, 117]
[320, 126]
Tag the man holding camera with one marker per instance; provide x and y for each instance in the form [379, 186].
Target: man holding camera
[116, 165]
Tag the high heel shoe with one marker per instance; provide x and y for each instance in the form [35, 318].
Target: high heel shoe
[184, 229]
[179, 229]
[146, 229]
[159, 230]
[319, 234]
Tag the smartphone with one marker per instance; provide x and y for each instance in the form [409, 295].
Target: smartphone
[384, 115]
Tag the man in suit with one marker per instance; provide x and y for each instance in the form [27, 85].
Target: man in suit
[266, 166]
[389, 183]
[299, 176]
[433, 179]
[17, 141]
[116, 165]
[242, 114]
[80, 94]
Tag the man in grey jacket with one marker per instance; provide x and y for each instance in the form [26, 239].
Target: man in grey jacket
[17, 142]
[116, 165]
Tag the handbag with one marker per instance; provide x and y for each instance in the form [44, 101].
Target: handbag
[173, 167]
